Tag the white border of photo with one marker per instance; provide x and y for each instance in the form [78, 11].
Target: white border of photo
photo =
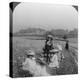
[4, 40]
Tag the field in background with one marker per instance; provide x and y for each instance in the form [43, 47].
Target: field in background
[21, 44]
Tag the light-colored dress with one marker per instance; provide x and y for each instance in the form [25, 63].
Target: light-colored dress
[54, 61]
[34, 68]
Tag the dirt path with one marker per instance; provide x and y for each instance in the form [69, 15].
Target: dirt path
[68, 65]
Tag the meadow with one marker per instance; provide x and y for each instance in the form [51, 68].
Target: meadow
[22, 44]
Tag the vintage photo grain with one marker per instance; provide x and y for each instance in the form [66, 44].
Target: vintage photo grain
[43, 39]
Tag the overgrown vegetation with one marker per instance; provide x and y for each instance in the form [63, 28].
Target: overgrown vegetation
[20, 46]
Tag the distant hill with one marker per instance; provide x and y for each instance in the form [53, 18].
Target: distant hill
[59, 32]
[73, 33]
[41, 32]
[31, 31]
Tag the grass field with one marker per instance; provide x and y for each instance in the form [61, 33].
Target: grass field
[21, 44]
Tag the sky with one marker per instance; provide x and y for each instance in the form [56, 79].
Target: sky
[45, 16]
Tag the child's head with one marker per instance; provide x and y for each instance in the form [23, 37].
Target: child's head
[30, 54]
[49, 37]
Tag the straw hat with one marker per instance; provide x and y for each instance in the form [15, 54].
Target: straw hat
[30, 52]
[50, 36]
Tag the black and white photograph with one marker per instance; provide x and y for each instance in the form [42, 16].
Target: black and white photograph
[43, 39]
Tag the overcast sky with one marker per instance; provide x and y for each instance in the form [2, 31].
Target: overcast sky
[46, 16]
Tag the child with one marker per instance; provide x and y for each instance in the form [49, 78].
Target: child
[48, 47]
